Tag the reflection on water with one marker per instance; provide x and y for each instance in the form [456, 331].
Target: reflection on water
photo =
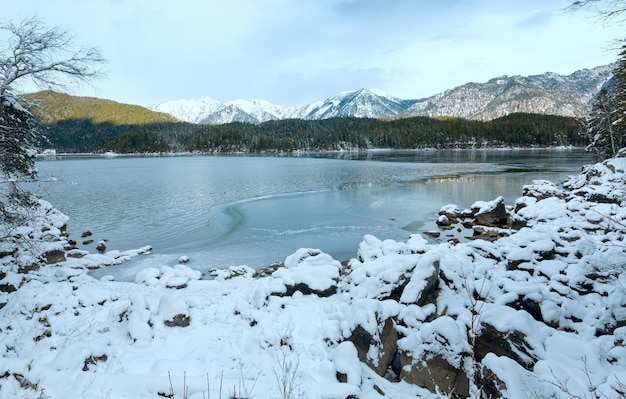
[224, 211]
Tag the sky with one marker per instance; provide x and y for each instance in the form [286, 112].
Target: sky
[294, 52]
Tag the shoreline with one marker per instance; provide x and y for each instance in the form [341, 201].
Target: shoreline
[51, 156]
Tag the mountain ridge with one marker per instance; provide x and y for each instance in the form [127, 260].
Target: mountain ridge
[548, 93]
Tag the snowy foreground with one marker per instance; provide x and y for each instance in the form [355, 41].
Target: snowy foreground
[539, 312]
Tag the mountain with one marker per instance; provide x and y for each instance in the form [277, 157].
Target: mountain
[208, 111]
[360, 103]
[548, 93]
[59, 107]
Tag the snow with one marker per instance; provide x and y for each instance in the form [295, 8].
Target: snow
[345, 359]
[486, 206]
[371, 103]
[556, 284]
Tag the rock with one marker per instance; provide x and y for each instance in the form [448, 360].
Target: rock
[490, 385]
[75, 253]
[434, 373]
[86, 234]
[54, 256]
[480, 233]
[180, 320]
[309, 271]
[93, 360]
[8, 288]
[451, 212]
[10, 252]
[434, 234]
[174, 310]
[101, 247]
[386, 343]
[531, 307]
[306, 290]
[422, 288]
[510, 344]
[347, 364]
[28, 269]
[444, 222]
[492, 214]
[542, 189]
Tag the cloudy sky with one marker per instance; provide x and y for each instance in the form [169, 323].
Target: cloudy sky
[294, 52]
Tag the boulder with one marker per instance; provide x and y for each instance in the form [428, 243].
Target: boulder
[309, 271]
[434, 373]
[54, 256]
[490, 385]
[101, 247]
[386, 343]
[423, 287]
[511, 344]
[492, 214]
[444, 222]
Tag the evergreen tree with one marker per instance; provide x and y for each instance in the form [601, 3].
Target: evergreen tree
[619, 88]
[606, 122]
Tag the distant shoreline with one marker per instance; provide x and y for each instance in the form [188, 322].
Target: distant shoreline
[53, 155]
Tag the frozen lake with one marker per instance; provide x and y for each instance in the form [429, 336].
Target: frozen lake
[236, 210]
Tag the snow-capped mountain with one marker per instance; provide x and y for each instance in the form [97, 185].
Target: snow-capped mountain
[208, 111]
[548, 93]
[361, 103]
[192, 111]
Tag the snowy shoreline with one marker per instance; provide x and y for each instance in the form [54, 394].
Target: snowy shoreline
[538, 312]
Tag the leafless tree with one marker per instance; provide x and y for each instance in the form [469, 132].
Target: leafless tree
[609, 11]
[30, 49]
[46, 55]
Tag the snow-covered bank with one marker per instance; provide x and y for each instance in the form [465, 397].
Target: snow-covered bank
[538, 312]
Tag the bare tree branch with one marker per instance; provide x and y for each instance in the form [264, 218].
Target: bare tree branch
[608, 11]
[45, 55]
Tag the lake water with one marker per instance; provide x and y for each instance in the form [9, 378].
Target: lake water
[238, 210]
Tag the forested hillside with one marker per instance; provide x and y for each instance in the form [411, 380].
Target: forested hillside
[523, 130]
[55, 107]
